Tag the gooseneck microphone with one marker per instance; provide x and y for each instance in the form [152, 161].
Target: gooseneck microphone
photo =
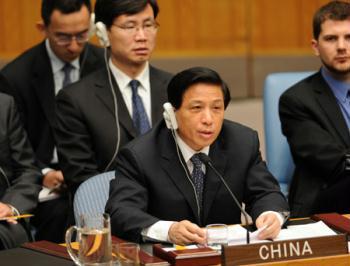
[207, 161]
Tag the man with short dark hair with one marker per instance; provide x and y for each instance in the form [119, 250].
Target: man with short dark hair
[164, 192]
[315, 117]
[36, 76]
[121, 101]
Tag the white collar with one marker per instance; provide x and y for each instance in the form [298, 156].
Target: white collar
[56, 63]
[123, 79]
[187, 151]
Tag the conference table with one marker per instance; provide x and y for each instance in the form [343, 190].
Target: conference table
[51, 254]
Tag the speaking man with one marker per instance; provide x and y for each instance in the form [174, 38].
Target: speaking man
[164, 192]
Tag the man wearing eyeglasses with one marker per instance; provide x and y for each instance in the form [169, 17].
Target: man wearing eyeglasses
[121, 101]
[36, 76]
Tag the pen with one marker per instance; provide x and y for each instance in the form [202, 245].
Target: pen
[16, 217]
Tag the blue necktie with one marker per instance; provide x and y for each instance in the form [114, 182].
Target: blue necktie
[198, 177]
[139, 115]
[67, 68]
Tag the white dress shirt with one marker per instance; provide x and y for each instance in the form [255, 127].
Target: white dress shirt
[159, 230]
[144, 89]
[58, 77]
[57, 65]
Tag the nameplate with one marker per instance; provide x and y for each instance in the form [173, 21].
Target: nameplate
[284, 250]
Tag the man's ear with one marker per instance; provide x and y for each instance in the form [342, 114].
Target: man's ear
[41, 27]
[314, 46]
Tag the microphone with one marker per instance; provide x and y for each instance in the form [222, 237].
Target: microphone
[207, 161]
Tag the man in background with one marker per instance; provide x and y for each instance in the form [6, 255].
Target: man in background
[19, 176]
[164, 189]
[35, 77]
[121, 101]
[315, 116]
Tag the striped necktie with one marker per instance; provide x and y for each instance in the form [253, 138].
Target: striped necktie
[139, 115]
[198, 177]
[67, 69]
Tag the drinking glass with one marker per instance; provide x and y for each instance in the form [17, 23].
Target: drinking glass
[94, 238]
[127, 253]
[217, 235]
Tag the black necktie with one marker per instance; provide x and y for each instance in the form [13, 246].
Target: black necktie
[67, 69]
[139, 115]
[198, 177]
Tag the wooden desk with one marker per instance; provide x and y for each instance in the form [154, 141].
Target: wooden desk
[23, 256]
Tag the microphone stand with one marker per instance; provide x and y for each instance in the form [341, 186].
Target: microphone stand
[206, 160]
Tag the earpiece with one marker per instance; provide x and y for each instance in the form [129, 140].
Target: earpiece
[92, 26]
[169, 116]
[101, 32]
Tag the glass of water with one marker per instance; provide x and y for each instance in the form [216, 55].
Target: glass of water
[217, 235]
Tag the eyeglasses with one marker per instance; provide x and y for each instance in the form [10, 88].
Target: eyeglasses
[148, 27]
[63, 39]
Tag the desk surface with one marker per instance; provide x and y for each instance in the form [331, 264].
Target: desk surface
[23, 256]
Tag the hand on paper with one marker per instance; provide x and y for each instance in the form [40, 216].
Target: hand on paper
[5, 211]
[185, 232]
[271, 223]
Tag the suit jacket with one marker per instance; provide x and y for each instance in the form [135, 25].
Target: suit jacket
[319, 139]
[151, 184]
[16, 161]
[31, 83]
[86, 123]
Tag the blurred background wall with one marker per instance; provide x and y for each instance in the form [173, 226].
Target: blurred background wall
[242, 39]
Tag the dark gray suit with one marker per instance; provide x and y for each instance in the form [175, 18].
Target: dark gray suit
[319, 140]
[31, 83]
[86, 126]
[30, 80]
[152, 184]
[19, 176]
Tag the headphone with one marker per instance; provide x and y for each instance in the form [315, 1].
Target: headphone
[100, 29]
[169, 116]
[101, 32]
[171, 123]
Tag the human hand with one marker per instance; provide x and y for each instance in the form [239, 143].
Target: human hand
[185, 232]
[53, 179]
[5, 211]
[271, 223]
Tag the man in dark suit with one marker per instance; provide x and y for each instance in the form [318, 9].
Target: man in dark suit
[315, 116]
[19, 176]
[163, 192]
[34, 79]
[91, 129]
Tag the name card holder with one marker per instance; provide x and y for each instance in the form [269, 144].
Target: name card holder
[284, 250]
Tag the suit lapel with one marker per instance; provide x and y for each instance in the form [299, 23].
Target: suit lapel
[212, 181]
[331, 108]
[176, 172]
[43, 83]
[104, 94]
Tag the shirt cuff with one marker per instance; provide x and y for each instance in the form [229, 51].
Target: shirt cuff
[46, 170]
[157, 231]
[14, 211]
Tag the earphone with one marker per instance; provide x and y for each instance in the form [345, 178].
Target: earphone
[100, 29]
[101, 32]
[169, 116]
[171, 123]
